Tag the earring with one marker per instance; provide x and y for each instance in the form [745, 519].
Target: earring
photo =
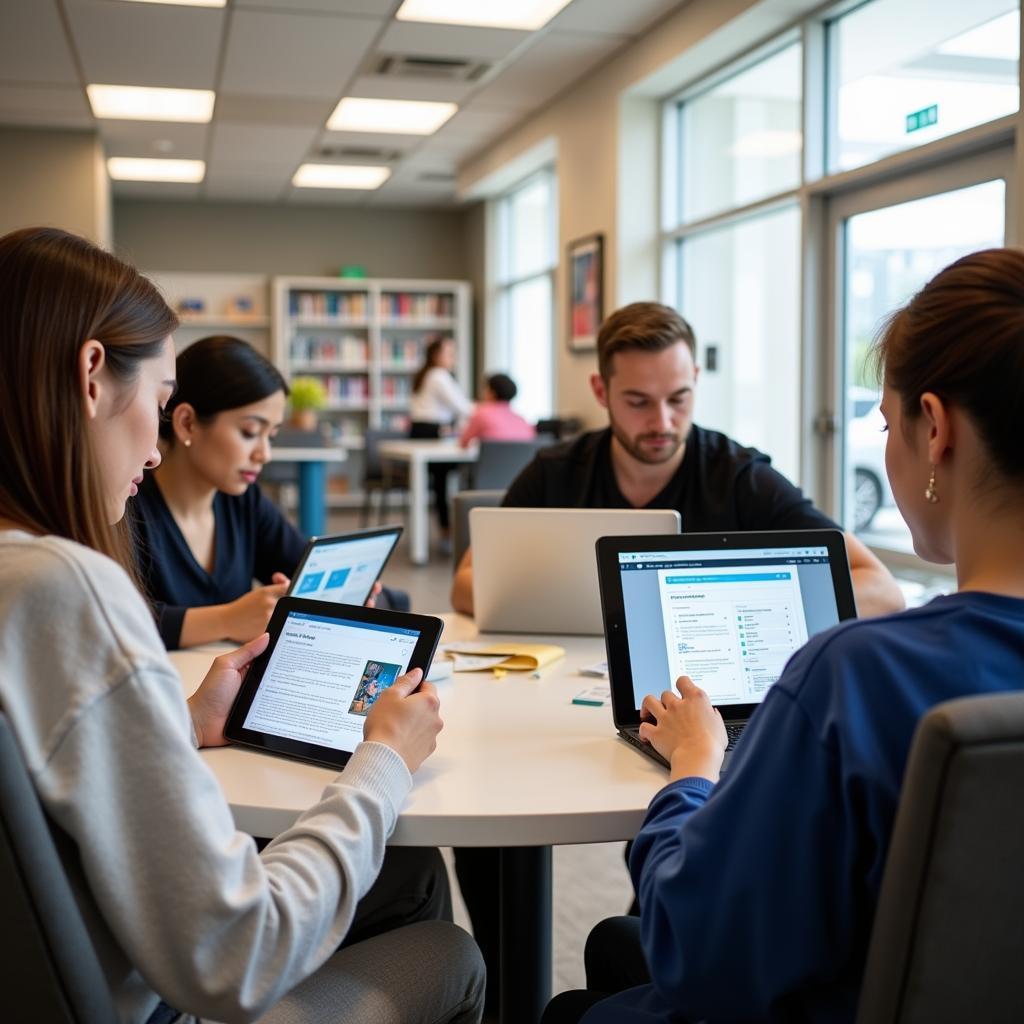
[930, 493]
[188, 444]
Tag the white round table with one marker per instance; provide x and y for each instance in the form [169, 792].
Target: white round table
[518, 766]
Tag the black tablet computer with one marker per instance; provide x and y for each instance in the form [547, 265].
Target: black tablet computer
[308, 694]
[344, 567]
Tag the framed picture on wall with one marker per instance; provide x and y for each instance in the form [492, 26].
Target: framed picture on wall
[586, 291]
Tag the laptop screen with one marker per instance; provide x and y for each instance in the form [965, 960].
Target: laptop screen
[729, 619]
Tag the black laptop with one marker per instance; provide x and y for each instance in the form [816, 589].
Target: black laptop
[726, 609]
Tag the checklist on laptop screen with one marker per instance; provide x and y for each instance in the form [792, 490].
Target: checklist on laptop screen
[729, 619]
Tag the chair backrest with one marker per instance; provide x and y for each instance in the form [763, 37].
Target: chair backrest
[373, 468]
[500, 462]
[947, 938]
[49, 971]
[461, 504]
[289, 437]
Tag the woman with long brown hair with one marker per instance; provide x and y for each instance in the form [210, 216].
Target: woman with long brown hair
[757, 894]
[186, 917]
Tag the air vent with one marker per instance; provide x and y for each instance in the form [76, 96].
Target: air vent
[447, 69]
[436, 177]
[361, 154]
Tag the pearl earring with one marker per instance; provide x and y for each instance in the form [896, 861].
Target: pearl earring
[188, 444]
[930, 493]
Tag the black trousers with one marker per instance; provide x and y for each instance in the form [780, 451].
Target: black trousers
[438, 471]
[614, 961]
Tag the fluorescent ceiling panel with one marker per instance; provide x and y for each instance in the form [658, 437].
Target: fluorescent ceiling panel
[127, 168]
[340, 176]
[521, 14]
[183, 3]
[137, 103]
[397, 117]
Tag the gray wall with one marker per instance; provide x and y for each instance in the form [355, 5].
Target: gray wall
[291, 240]
[54, 178]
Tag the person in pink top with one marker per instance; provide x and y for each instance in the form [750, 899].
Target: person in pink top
[493, 419]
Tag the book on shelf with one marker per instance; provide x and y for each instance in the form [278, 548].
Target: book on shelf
[416, 306]
[401, 352]
[347, 388]
[328, 304]
[311, 349]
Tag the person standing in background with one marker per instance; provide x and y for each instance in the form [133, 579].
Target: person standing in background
[438, 404]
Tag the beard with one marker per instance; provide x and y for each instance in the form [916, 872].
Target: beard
[650, 457]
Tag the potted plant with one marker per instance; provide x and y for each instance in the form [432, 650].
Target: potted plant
[306, 399]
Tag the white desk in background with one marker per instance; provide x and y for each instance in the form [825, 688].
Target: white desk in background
[312, 462]
[517, 766]
[417, 455]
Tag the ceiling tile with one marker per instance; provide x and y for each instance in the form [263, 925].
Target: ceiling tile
[33, 47]
[376, 141]
[476, 123]
[244, 188]
[306, 55]
[424, 40]
[154, 190]
[327, 197]
[613, 16]
[57, 106]
[260, 144]
[147, 44]
[387, 87]
[281, 110]
[556, 61]
[148, 138]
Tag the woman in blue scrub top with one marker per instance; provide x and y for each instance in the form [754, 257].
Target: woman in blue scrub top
[757, 893]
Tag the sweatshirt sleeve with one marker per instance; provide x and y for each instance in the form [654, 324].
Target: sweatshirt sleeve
[750, 895]
[215, 928]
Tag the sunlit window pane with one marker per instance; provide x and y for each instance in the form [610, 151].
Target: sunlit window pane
[741, 140]
[531, 235]
[740, 290]
[907, 72]
[890, 254]
[529, 333]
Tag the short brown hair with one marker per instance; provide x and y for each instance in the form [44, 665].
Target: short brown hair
[961, 337]
[643, 326]
[58, 291]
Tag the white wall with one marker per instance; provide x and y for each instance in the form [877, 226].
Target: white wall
[605, 132]
[56, 179]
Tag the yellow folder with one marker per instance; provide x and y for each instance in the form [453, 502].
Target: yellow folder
[517, 657]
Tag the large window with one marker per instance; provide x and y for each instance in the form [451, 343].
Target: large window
[734, 248]
[789, 235]
[521, 342]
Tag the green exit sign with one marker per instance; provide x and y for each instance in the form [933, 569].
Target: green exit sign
[922, 118]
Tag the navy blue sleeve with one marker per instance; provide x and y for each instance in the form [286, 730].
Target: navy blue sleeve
[751, 895]
[279, 545]
[766, 500]
[169, 620]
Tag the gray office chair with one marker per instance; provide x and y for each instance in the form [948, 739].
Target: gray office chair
[500, 462]
[949, 930]
[49, 972]
[461, 504]
[380, 477]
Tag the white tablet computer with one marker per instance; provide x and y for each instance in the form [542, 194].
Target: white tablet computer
[308, 694]
[344, 567]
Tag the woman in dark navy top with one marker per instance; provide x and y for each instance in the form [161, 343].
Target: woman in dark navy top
[757, 893]
[204, 528]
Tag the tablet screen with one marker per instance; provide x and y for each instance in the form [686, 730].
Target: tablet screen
[343, 569]
[324, 675]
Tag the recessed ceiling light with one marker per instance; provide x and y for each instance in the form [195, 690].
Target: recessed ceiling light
[340, 176]
[521, 14]
[136, 103]
[184, 3]
[130, 168]
[398, 117]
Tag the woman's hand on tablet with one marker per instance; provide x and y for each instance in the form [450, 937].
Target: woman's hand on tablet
[210, 704]
[686, 730]
[405, 720]
[248, 616]
[371, 601]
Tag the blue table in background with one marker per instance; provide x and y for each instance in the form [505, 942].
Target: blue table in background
[312, 463]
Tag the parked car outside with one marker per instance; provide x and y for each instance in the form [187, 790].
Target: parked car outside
[865, 457]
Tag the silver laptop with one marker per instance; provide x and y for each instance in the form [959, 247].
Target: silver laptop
[535, 571]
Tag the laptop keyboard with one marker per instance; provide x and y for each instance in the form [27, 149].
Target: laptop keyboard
[732, 730]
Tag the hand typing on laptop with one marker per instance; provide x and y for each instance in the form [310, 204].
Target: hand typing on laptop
[687, 730]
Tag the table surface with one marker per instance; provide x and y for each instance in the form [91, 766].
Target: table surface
[328, 453]
[517, 764]
[428, 450]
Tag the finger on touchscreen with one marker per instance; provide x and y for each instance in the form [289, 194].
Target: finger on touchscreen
[280, 578]
[241, 657]
[405, 685]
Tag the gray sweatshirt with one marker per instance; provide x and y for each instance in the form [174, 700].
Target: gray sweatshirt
[176, 900]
